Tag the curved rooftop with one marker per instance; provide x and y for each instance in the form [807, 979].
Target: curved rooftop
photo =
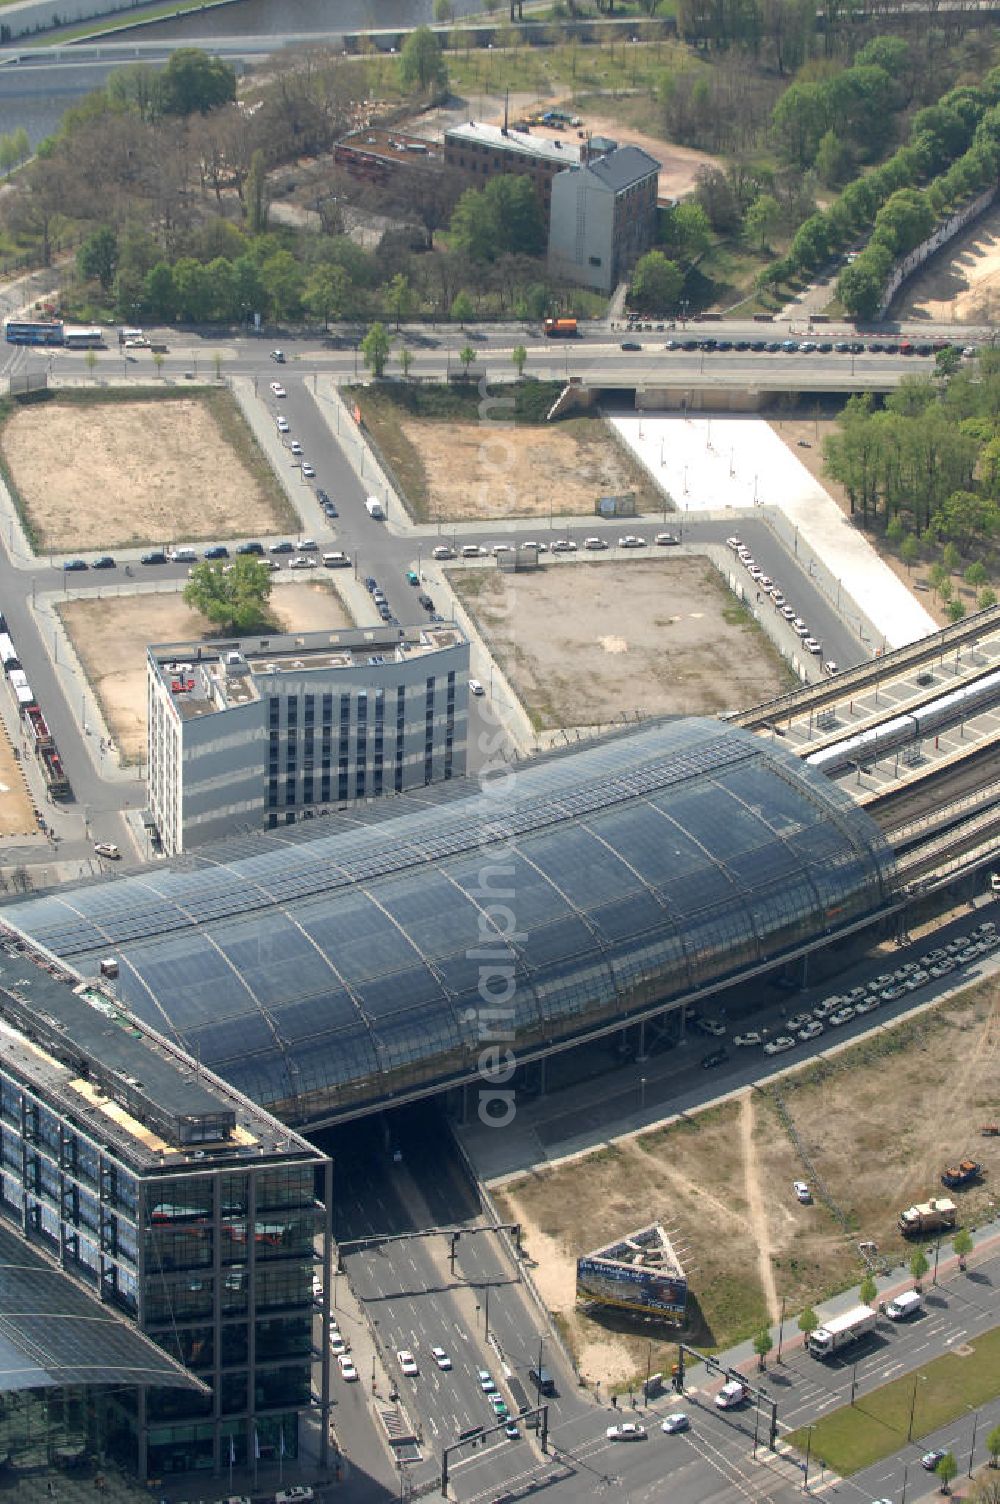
[328, 967]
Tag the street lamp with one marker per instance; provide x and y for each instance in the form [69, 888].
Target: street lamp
[913, 1405]
[972, 1449]
[642, 1093]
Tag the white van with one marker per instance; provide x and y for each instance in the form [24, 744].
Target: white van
[904, 1305]
[732, 1395]
[337, 561]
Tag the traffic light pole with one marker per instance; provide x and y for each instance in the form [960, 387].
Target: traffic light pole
[478, 1434]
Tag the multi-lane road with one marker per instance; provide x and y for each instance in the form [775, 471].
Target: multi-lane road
[385, 552]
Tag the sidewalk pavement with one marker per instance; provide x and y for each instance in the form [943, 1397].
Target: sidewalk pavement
[739, 464]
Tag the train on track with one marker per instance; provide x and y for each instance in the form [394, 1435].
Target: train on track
[907, 730]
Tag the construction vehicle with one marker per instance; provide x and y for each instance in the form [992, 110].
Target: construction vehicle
[956, 1176]
[561, 328]
[841, 1330]
[990, 1130]
[928, 1216]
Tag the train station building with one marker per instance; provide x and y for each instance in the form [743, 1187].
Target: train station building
[328, 970]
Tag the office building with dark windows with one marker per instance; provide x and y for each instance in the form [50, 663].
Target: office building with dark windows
[184, 1230]
[264, 731]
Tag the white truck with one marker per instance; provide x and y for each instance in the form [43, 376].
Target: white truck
[374, 509]
[841, 1330]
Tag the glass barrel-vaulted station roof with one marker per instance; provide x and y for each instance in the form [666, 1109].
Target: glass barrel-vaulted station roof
[327, 967]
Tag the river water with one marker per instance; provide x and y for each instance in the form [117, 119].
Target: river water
[37, 97]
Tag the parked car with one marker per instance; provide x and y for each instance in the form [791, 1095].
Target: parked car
[779, 1045]
[442, 552]
[108, 849]
[711, 1026]
[278, 356]
[217, 551]
[307, 470]
[103, 561]
[475, 687]
[155, 556]
[348, 1372]
[71, 566]
[284, 547]
[750, 1038]
[666, 540]
[811, 1030]
[594, 543]
[802, 1192]
[253, 547]
[299, 1493]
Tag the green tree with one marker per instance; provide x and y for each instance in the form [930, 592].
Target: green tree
[159, 294]
[685, 231]
[808, 1321]
[91, 361]
[909, 551]
[947, 361]
[444, 12]
[986, 598]
[255, 195]
[421, 63]
[993, 1446]
[502, 218]
[918, 1265]
[956, 610]
[859, 288]
[868, 1290]
[399, 295]
[375, 349]
[976, 575]
[467, 356]
[405, 361]
[761, 220]
[833, 160]
[22, 144]
[519, 356]
[282, 279]
[950, 557]
[97, 258]
[194, 83]
[8, 153]
[325, 291]
[763, 1342]
[462, 308]
[947, 1471]
[962, 1244]
[656, 283]
[236, 601]
[946, 591]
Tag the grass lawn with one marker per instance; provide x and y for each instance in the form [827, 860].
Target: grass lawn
[876, 1425]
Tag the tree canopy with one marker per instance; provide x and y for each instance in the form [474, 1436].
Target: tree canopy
[656, 284]
[421, 62]
[233, 596]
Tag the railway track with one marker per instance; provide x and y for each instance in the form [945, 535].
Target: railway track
[941, 645]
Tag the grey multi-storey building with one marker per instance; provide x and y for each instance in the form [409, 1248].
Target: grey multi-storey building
[260, 731]
[603, 216]
[192, 1213]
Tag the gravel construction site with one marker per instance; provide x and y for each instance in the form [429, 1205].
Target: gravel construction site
[961, 284]
[587, 644]
[111, 636]
[720, 1182]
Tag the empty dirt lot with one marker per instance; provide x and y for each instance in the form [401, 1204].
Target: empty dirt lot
[99, 474]
[962, 283]
[111, 636]
[585, 643]
[721, 1181]
[17, 809]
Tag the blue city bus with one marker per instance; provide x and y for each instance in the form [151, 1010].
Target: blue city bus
[33, 331]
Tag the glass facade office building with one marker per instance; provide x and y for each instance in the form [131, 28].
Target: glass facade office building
[325, 971]
[180, 1204]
